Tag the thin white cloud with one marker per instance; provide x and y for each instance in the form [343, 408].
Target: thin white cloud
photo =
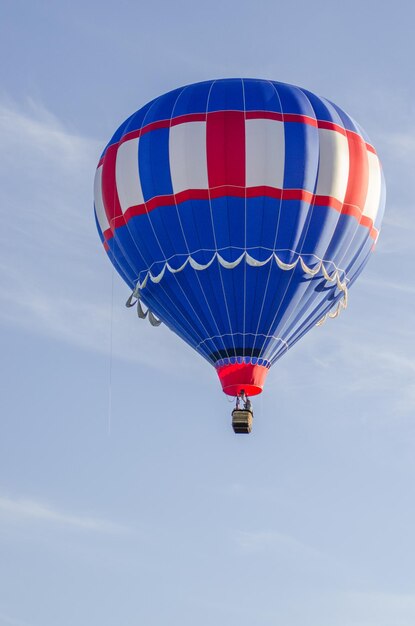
[377, 608]
[271, 541]
[11, 621]
[385, 285]
[400, 145]
[29, 511]
[34, 126]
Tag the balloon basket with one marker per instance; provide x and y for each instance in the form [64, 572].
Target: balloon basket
[242, 421]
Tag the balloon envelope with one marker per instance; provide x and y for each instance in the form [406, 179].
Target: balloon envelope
[239, 211]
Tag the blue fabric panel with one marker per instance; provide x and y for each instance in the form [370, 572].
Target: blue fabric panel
[226, 95]
[276, 284]
[233, 281]
[161, 108]
[193, 299]
[358, 243]
[193, 99]
[138, 120]
[145, 241]
[183, 294]
[347, 121]
[344, 238]
[261, 221]
[292, 217]
[293, 100]
[270, 321]
[360, 262]
[261, 299]
[322, 306]
[298, 288]
[255, 287]
[229, 225]
[154, 165]
[304, 223]
[320, 231]
[310, 307]
[168, 294]
[125, 250]
[323, 109]
[196, 224]
[301, 156]
[261, 96]
[196, 221]
[220, 302]
[166, 223]
[159, 301]
[128, 278]
[353, 264]
[269, 219]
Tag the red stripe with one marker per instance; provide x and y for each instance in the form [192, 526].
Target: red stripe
[328, 201]
[109, 188]
[227, 190]
[241, 192]
[264, 190]
[352, 210]
[366, 221]
[108, 234]
[303, 119]
[155, 126]
[154, 203]
[374, 233]
[225, 147]
[192, 194]
[358, 172]
[171, 200]
[181, 119]
[331, 126]
[132, 211]
[298, 194]
[133, 134]
[189, 117]
[106, 246]
[264, 115]
[249, 115]
[281, 117]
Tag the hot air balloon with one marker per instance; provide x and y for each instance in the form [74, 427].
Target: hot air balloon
[239, 212]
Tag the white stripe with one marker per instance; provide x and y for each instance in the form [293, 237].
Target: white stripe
[265, 153]
[127, 176]
[99, 204]
[188, 158]
[374, 187]
[333, 169]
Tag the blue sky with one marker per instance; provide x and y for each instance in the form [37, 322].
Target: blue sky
[125, 498]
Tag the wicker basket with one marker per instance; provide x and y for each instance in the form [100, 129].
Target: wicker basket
[242, 421]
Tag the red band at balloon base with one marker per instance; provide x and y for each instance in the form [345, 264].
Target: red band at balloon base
[238, 377]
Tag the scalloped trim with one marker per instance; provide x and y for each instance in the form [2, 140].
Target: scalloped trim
[249, 260]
